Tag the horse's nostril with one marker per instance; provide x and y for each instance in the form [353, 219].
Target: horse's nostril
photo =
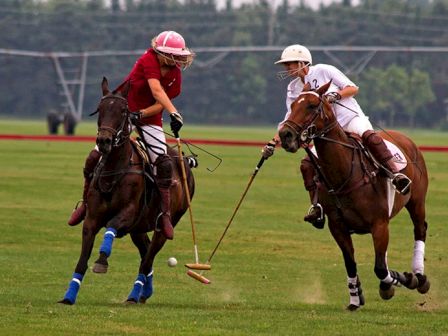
[285, 136]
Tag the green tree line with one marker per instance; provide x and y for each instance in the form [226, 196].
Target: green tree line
[396, 89]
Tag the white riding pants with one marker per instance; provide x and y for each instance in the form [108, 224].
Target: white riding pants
[358, 125]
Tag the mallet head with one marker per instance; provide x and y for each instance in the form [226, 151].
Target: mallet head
[198, 277]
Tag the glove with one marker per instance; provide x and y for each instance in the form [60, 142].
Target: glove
[135, 117]
[268, 149]
[176, 122]
[332, 97]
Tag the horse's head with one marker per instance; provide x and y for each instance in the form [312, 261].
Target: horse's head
[113, 118]
[310, 115]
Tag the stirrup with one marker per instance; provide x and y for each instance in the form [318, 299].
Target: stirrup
[318, 222]
[405, 183]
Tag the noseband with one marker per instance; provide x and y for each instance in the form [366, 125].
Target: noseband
[119, 135]
[308, 131]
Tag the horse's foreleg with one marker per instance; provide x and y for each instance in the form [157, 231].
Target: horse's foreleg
[388, 278]
[345, 243]
[101, 263]
[88, 239]
[380, 236]
[122, 221]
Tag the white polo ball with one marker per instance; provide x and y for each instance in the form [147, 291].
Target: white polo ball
[172, 262]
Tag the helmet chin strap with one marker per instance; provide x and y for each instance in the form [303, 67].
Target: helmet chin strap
[281, 75]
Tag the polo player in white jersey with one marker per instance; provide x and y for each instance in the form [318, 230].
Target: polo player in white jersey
[298, 62]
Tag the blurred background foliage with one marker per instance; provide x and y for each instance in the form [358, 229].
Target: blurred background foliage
[396, 88]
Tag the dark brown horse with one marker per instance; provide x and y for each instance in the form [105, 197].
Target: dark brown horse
[354, 192]
[121, 200]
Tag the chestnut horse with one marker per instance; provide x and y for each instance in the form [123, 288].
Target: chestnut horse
[122, 200]
[356, 196]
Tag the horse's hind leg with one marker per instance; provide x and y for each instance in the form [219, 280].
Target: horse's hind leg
[88, 238]
[417, 212]
[142, 242]
[158, 240]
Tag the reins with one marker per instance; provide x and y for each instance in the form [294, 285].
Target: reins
[308, 133]
[119, 137]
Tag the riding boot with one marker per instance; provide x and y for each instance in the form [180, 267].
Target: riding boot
[79, 213]
[380, 152]
[315, 214]
[163, 179]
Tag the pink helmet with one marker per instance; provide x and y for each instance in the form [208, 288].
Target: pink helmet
[170, 42]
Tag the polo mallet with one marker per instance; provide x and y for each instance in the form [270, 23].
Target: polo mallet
[196, 265]
[199, 276]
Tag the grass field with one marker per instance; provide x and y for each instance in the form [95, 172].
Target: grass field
[273, 275]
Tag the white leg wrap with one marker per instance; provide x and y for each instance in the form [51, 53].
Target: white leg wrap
[418, 261]
[388, 279]
[353, 290]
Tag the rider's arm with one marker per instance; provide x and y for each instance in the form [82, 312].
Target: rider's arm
[152, 110]
[160, 95]
[348, 91]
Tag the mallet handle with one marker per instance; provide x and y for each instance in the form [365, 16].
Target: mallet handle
[187, 192]
[257, 168]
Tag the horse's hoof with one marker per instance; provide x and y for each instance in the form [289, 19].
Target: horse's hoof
[99, 268]
[66, 302]
[411, 280]
[362, 301]
[130, 302]
[387, 291]
[423, 283]
[352, 307]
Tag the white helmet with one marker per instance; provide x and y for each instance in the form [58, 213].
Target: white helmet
[295, 53]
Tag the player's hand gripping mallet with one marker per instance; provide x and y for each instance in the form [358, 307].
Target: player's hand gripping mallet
[199, 276]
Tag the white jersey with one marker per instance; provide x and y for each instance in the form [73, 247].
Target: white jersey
[321, 74]
[292, 92]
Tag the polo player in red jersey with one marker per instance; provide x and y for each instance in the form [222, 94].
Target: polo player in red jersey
[155, 80]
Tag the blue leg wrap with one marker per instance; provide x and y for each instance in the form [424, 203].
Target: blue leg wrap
[147, 288]
[137, 289]
[73, 288]
[106, 246]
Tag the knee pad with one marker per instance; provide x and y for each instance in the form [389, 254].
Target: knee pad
[92, 160]
[164, 170]
[371, 137]
[308, 173]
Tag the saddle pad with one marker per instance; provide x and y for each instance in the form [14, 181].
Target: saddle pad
[401, 163]
[398, 156]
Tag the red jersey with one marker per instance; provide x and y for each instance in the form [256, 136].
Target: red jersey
[140, 95]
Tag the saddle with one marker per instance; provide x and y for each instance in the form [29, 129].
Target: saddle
[398, 156]
[140, 148]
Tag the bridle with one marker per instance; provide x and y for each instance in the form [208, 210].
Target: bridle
[119, 135]
[308, 131]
